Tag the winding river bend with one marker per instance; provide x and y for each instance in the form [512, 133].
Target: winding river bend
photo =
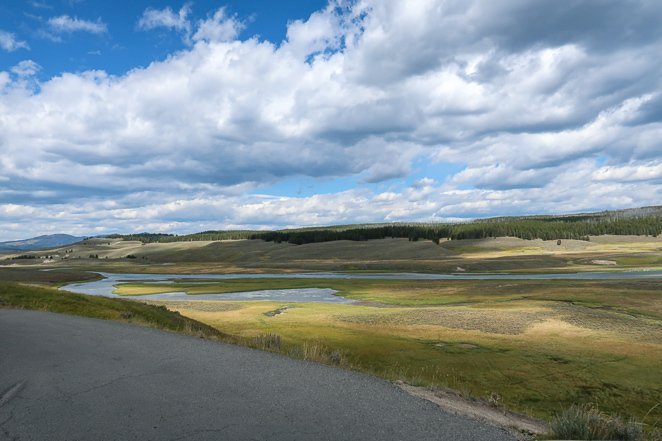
[106, 286]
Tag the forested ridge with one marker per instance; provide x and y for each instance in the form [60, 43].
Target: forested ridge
[639, 221]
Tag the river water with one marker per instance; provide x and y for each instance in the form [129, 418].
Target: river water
[106, 286]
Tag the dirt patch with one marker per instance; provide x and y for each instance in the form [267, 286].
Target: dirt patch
[642, 329]
[277, 312]
[374, 304]
[197, 305]
[603, 262]
[509, 322]
[522, 426]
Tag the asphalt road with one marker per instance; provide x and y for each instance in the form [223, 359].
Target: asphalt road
[72, 378]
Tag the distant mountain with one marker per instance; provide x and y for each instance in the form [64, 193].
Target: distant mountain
[40, 242]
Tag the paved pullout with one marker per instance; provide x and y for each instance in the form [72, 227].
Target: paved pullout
[73, 378]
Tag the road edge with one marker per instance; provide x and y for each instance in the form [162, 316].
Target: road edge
[523, 427]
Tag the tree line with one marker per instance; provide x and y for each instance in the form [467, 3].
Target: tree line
[524, 229]
[205, 235]
[643, 223]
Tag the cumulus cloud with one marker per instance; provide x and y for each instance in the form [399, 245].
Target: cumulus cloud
[541, 114]
[325, 31]
[9, 42]
[65, 24]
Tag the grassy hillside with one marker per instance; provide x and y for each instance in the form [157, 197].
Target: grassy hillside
[586, 242]
[603, 253]
[15, 295]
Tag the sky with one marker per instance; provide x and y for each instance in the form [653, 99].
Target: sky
[178, 117]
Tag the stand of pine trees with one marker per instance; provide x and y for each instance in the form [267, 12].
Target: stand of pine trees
[524, 229]
[645, 221]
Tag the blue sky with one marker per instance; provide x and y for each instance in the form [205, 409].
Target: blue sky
[187, 116]
[123, 46]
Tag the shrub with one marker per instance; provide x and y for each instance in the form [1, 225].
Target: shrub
[317, 351]
[588, 423]
[336, 358]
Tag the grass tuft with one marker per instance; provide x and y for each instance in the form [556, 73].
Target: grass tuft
[267, 342]
[586, 422]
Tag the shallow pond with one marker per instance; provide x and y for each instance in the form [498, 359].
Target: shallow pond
[106, 286]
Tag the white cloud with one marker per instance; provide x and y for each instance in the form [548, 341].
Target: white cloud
[5, 80]
[422, 201]
[39, 5]
[67, 24]
[218, 28]
[322, 31]
[650, 171]
[26, 68]
[166, 18]
[9, 42]
[560, 117]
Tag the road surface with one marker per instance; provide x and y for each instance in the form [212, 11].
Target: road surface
[74, 378]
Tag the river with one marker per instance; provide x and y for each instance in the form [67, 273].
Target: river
[106, 286]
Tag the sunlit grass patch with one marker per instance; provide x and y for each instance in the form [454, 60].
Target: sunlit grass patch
[141, 289]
